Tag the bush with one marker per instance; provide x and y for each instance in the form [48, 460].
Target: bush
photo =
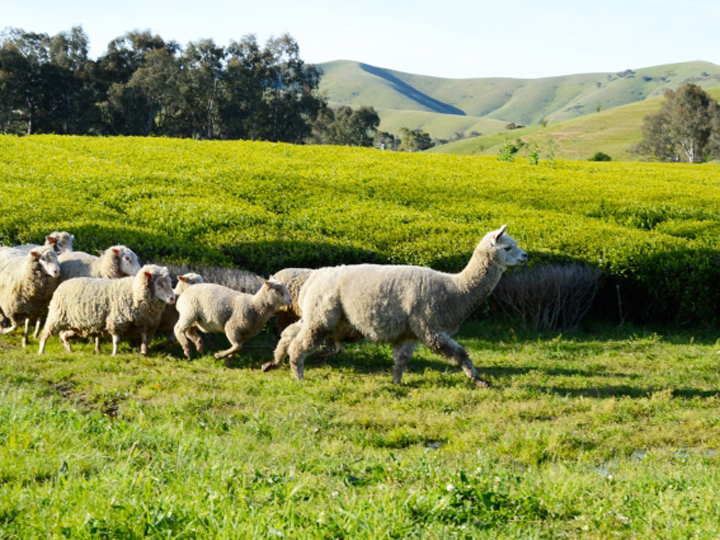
[600, 156]
[549, 297]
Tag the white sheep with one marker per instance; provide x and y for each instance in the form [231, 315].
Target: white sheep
[122, 308]
[27, 282]
[400, 305]
[295, 278]
[170, 316]
[216, 309]
[114, 262]
[61, 242]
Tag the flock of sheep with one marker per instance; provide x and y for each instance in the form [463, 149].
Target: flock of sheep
[85, 296]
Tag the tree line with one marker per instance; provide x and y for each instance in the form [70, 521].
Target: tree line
[143, 85]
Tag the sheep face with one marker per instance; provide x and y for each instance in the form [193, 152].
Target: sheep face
[186, 280]
[47, 259]
[280, 290]
[161, 285]
[60, 241]
[128, 260]
[507, 245]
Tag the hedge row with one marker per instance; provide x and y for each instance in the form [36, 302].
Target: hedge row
[651, 228]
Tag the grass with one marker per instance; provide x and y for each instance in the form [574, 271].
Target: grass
[611, 433]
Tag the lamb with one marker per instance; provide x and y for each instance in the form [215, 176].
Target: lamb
[400, 305]
[115, 262]
[90, 307]
[170, 316]
[27, 282]
[60, 241]
[216, 309]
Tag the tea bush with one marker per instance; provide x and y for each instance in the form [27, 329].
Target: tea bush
[650, 228]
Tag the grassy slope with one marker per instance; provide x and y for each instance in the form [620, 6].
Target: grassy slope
[612, 131]
[525, 101]
[595, 436]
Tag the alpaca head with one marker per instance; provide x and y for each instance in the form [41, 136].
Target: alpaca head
[506, 245]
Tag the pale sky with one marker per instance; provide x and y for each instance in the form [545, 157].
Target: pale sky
[443, 38]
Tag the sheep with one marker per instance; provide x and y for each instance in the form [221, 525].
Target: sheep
[233, 278]
[27, 282]
[60, 241]
[216, 309]
[114, 262]
[121, 307]
[295, 278]
[400, 305]
[170, 316]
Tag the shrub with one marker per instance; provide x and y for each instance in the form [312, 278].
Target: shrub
[600, 156]
[549, 297]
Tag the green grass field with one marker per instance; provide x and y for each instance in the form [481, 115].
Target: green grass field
[609, 434]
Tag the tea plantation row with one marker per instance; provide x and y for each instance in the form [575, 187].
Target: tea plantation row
[651, 228]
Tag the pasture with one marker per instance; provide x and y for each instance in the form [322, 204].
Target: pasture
[607, 432]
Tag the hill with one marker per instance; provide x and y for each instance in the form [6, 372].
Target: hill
[469, 104]
[613, 132]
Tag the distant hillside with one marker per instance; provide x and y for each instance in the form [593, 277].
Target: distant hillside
[612, 131]
[470, 104]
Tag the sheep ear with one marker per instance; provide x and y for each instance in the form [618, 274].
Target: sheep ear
[148, 276]
[182, 278]
[35, 254]
[50, 239]
[500, 232]
[116, 251]
[263, 281]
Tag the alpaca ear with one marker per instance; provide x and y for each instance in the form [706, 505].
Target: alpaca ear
[499, 233]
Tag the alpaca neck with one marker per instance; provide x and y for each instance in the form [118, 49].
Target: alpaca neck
[478, 279]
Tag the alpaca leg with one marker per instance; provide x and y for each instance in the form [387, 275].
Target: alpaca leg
[401, 355]
[451, 350]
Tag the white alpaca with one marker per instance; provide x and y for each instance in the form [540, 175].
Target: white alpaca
[401, 305]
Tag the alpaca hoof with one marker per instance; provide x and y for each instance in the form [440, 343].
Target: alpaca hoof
[268, 366]
[482, 383]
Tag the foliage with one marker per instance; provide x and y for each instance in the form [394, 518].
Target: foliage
[507, 151]
[345, 126]
[650, 228]
[143, 85]
[414, 140]
[534, 155]
[600, 156]
[682, 129]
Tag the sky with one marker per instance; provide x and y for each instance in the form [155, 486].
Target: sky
[442, 38]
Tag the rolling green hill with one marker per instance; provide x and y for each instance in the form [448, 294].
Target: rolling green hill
[612, 131]
[443, 106]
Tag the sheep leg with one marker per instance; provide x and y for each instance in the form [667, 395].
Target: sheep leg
[228, 354]
[196, 338]
[401, 355]
[64, 338]
[97, 344]
[286, 338]
[26, 333]
[11, 328]
[306, 341]
[144, 344]
[115, 343]
[451, 350]
[38, 326]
